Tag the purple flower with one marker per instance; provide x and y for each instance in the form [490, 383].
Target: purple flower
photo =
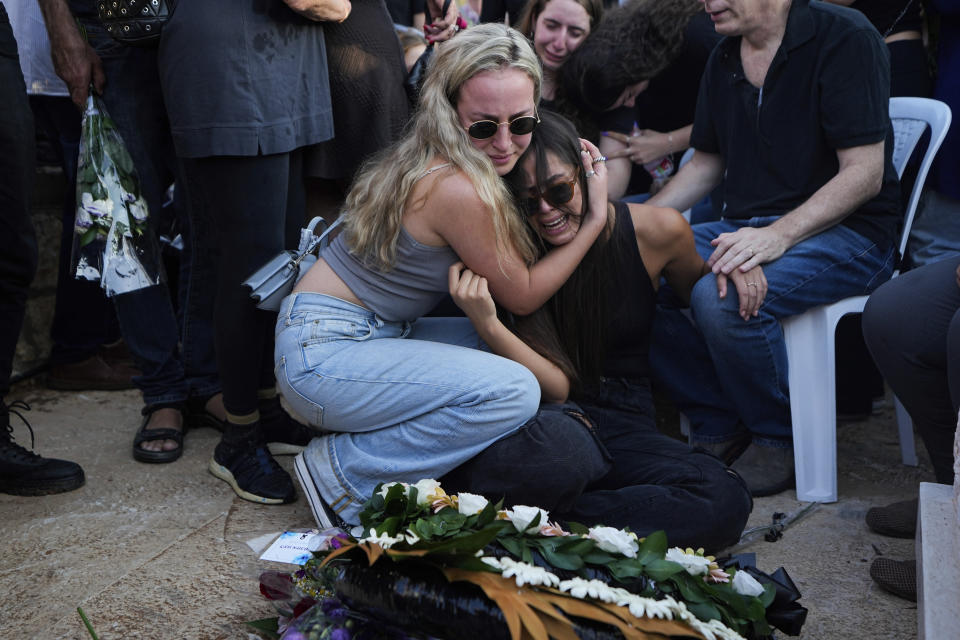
[340, 634]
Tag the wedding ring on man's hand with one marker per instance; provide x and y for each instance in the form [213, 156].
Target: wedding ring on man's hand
[753, 284]
[590, 173]
[599, 159]
[456, 27]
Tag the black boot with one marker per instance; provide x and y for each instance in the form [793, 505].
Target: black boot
[24, 473]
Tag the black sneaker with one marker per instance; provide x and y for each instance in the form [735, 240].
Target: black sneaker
[285, 436]
[252, 473]
[325, 516]
[23, 472]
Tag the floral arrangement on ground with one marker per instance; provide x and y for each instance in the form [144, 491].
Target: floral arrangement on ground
[433, 565]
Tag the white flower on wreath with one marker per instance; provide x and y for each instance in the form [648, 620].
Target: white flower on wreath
[523, 516]
[614, 541]
[524, 573]
[428, 490]
[714, 630]
[96, 208]
[596, 589]
[83, 219]
[493, 562]
[386, 487]
[470, 504]
[694, 565]
[384, 540]
[746, 585]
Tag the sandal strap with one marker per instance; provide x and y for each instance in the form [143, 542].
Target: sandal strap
[149, 409]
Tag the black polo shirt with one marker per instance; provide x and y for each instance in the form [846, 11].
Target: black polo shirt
[828, 88]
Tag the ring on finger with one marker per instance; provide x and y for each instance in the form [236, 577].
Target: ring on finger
[753, 284]
[599, 159]
[590, 174]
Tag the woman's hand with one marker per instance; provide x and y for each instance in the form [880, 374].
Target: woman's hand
[469, 291]
[443, 27]
[595, 169]
[751, 288]
[643, 146]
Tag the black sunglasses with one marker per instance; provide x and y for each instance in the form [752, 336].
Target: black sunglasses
[519, 126]
[555, 195]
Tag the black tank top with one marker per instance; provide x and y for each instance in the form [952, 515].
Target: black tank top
[631, 301]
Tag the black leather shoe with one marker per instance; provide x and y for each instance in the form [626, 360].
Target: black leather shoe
[23, 472]
[252, 473]
[766, 470]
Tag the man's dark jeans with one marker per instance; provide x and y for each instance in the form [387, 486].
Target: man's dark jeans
[18, 245]
[649, 482]
[176, 358]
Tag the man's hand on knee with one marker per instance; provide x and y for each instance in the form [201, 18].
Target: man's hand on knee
[745, 249]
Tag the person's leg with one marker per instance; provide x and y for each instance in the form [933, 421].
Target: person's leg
[548, 462]
[402, 409]
[22, 472]
[83, 317]
[910, 324]
[657, 482]
[255, 205]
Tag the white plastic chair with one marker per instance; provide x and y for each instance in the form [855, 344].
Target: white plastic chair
[810, 337]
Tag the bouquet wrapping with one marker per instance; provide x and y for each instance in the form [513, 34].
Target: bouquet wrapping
[111, 240]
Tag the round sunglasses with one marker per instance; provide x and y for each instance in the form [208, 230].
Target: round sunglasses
[556, 195]
[519, 126]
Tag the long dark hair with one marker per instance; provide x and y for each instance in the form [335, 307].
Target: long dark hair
[632, 43]
[568, 329]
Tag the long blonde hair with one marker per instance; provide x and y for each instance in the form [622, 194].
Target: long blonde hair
[376, 201]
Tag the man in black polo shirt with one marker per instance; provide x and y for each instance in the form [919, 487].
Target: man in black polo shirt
[792, 125]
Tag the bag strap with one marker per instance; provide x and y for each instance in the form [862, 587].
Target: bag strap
[317, 239]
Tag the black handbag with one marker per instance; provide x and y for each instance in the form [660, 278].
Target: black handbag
[135, 22]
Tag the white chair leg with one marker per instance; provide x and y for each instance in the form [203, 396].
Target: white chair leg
[813, 404]
[908, 452]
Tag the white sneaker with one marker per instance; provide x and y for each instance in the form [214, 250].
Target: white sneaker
[322, 513]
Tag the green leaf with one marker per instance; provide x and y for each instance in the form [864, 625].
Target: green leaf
[390, 526]
[704, 610]
[661, 570]
[577, 528]
[513, 545]
[769, 593]
[690, 590]
[488, 514]
[88, 236]
[654, 545]
[571, 562]
[468, 544]
[267, 627]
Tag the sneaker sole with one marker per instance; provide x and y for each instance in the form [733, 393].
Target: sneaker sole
[44, 488]
[317, 505]
[285, 448]
[221, 472]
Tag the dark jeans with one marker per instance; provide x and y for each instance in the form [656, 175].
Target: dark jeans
[175, 355]
[256, 205]
[652, 481]
[549, 462]
[83, 317]
[18, 245]
[912, 327]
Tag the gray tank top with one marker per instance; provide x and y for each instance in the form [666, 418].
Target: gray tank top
[412, 288]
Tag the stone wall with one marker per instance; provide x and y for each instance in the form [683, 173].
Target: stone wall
[33, 347]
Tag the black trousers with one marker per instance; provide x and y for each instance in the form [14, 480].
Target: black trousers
[623, 473]
[911, 325]
[18, 244]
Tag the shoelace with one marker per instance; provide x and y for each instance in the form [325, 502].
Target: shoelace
[12, 408]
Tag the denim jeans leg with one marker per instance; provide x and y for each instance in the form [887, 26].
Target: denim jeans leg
[750, 356]
[133, 99]
[400, 409]
[657, 482]
[197, 291]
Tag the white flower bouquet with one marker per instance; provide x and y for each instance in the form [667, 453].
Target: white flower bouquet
[111, 241]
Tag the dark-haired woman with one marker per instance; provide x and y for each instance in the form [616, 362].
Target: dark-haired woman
[589, 344]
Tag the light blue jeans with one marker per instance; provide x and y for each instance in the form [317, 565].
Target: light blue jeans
[402, 401]
[726, 374]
